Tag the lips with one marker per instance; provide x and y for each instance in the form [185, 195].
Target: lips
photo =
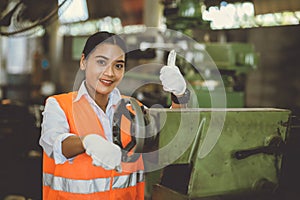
[106, 82]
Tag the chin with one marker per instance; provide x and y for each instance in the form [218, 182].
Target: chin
[104, 92]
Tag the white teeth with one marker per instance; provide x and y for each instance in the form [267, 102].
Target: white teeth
[106, 81]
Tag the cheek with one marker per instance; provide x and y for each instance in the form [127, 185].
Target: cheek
[120, 75]
[94, 72]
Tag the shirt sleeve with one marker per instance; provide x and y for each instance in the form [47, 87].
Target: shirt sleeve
[54, 129]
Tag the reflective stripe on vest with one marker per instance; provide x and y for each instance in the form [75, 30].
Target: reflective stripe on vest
[76, 186]
[91, 186]
[125, 181]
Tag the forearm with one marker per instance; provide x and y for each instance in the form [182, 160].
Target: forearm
[72, 146]
[175, 105]
[180, 101]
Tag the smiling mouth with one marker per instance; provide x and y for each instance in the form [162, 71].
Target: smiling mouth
[106, 82]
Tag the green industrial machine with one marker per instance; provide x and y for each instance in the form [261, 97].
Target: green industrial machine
[185, 15]
[233, 61]
[209, 153]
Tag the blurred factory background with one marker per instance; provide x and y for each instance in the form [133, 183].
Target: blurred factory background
[254, 44]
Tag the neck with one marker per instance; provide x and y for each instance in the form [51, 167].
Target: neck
[102, 101]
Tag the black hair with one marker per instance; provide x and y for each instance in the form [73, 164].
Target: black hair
[103, 37]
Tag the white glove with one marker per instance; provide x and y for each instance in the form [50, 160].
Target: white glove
[171, 78]
[103, 152]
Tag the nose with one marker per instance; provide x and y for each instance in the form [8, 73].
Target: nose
[109, 70]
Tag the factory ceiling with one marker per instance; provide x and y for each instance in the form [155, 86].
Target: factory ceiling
[130, 11]
[134, 8]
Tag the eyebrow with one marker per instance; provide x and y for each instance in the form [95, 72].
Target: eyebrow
[122, 61]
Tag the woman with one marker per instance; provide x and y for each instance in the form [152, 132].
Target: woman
[80, 160]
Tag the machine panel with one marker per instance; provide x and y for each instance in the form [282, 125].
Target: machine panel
[245, 157]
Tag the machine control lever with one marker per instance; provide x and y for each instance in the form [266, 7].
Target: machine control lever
[274, 146]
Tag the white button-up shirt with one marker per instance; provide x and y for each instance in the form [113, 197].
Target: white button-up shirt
[55, 127]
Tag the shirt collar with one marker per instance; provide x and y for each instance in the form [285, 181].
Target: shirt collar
[114, 96]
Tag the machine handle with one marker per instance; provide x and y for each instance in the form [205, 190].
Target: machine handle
[137, 129]
[275, 146]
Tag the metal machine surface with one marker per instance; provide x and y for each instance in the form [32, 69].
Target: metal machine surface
[245, 158]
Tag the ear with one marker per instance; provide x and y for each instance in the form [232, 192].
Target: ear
[82, 62]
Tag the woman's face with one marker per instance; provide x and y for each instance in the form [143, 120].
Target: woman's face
[104, 68]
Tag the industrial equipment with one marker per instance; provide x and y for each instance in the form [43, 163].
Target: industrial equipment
[245, 160]
[233, 61]
[208, 153]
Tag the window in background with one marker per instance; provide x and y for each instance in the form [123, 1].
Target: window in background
[242, 15]
[17, 56]
[73, 11]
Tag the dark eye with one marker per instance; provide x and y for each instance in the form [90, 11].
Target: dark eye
[119, 66]
[101, 62]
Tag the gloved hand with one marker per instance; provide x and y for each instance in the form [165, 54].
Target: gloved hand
[103, 152]
[171, 78]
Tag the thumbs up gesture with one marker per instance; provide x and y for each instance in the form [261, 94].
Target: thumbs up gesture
[171, 77]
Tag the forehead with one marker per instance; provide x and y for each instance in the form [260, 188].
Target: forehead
[108, 50]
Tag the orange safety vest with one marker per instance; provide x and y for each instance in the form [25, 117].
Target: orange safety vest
[80, 179]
